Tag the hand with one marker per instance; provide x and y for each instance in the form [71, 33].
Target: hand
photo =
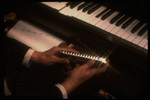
[82, 73]
[50, 56]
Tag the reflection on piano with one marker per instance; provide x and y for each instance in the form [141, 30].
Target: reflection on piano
[94, 28]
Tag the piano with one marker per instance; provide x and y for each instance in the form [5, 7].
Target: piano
[121, 28]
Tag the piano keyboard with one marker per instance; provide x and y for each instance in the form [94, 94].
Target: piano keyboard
[114, 22]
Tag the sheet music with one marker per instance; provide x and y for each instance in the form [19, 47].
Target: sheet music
[33, 37]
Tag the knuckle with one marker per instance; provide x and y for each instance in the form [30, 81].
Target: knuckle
[56, 47]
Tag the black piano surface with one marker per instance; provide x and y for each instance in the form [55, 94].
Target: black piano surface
[127, 58]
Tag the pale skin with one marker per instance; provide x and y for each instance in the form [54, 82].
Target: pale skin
[77, 76]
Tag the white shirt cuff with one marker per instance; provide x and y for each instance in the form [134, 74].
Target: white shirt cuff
[63, 90]
[27, 57]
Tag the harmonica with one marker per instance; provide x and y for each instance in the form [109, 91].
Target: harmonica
[79, 57]
[82, 56]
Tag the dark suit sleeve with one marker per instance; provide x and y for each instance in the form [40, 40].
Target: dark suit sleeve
[24, 82]
[52, 92]
[14, 51]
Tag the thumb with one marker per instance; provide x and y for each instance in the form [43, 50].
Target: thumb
[89, 64]
[62, 60]
[103, 68]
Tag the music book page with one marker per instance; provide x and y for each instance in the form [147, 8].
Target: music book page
[33, 37]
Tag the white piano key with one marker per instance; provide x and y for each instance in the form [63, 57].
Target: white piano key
[96, 20]
[47, 3]
[60, 5]
[53, 5]
[112, 26]
[134, 35]
[96, 12]
[65, 10]
[50, 4]
[128, 33]
[107, 23]
[101, 21]
[122, 31]
[118, 28]
[92, 14]
[143, 42]
[81, 15]
[84, 14]
[139, 38]
[70, 12]
[56, 5]
[115, 30]
[79, 11]
[146, 46]
[107, 20]
[89, 20]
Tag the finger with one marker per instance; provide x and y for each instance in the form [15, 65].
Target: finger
[62, 60]
[89, 64]
[107, 62]
[68, 49]
[102, 69]
[77, 65]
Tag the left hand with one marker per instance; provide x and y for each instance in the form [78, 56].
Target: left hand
[51, 56]
[81, 74]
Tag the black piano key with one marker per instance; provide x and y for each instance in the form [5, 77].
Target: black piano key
[122, 20]
[88, 7]
[135, 28]
[107, 14]
[127, 23]
[83, 5]
[113, 20]
[93, 9]
[143, 30]
[68, 4]
[102, 13]
[74, 4]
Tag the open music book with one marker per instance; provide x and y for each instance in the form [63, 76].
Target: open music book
[33, 37]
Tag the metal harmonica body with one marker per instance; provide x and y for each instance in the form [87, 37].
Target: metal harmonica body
[82, 56]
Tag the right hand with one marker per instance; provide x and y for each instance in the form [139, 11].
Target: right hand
[82, 73]
[51, 56]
